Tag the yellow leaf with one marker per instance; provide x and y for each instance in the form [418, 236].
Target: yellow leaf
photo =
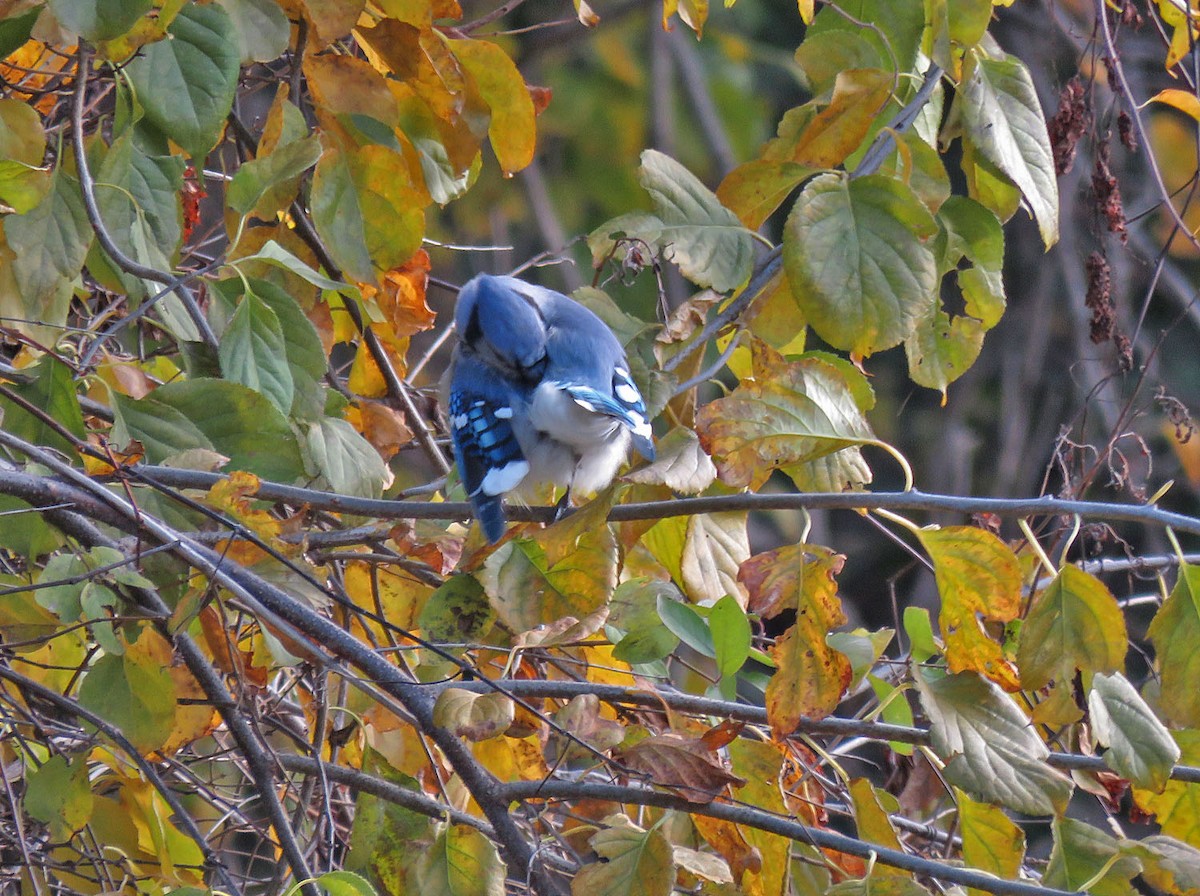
[790, 413]
[511, 130]
[1177, 808]
[978, 579]
[234, 496]
[991, 842]
[761, 862]
[870, 817]
[344, 85]
[806, 11]
[1185, 102]
[330, 19]
[840, 127]
[396, 597]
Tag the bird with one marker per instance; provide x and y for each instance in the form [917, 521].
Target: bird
[540, 392]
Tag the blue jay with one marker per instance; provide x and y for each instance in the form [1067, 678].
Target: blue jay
[540, 392]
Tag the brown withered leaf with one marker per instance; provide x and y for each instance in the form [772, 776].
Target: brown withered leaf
[541, 97]
[681, 763]
[581, 719]
[722, 735]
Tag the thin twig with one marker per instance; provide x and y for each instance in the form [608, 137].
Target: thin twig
[87, 186]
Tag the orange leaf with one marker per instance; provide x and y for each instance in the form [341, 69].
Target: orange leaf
[402, 298]
[811, 675]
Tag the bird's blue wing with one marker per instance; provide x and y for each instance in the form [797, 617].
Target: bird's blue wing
[625, 404]
[489, 457]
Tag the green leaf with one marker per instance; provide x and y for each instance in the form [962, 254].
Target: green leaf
[386, 838]
[637, 862]
[22, 137]
[134, 692]
[239, 423]
[186, 83]
[701, 236]
[15, 31]
[51, 389]
[22, 186]
[60, 795]
[338, 216]
[347, 462]
[163, 431]
[1074, 623]
[302, 345]
[262, 29]
[267, 184]
[826, 53]
[134, 188]
[1002, 117]
[970, 248]
[99, 19]
[633, 611]
[24, 183]
[789, 413]
[26, 532]
[705, 239]
[50, 243]
[1175, 632]
[1140, 747]
[274, 254]
[897, 26]
[344, 883]
[942, 349]
[857, 258]
[96, 600]
[253, 352]
[990, 748]
[1080, 853]
[63, 600]
[460, 862]
[457, 611]
[686, 624]
[731, 636]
